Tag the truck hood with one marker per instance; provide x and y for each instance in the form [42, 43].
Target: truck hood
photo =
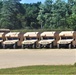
[46, 41]
[66, 41]
[1, 40]
[10, 42]
[29, 41]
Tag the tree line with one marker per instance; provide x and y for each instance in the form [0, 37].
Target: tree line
[58, 14]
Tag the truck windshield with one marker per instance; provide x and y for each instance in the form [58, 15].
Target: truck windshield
[33, 38]
[66, 38]
[0, 38]
[48, 38]
[30, 38]
[12, 38]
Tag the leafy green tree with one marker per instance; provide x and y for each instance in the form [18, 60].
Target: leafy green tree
[0, 7]
[5, 15]
[31, 13]
[71, 19]
[8, 14]
[51, 14]
[45, 14]
[40, 16]
[60, 12]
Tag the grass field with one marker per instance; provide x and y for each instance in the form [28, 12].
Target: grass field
[54, 70]
[39, 30]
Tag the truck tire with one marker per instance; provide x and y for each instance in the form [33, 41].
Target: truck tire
[40, 46]
[50, 45]
[4, 46]
[70, 46]
[23, 46]
[58, 46]
[14, 46]
[34, 45]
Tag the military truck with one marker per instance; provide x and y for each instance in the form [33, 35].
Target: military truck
[48, 39]
[66, 39]
[2, 38]
[5, 30]
[2, 35]
[30, 40]
[13, 40]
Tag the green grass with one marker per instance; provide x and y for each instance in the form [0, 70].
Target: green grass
[39, 30]
[53, 70]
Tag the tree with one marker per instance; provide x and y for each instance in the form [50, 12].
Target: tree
[5, 15]
[71, 21]
[57, 14]
[31, 13]
[60, 12]
[45, 14]
[40, 16]
[0, 7]
[8, 14]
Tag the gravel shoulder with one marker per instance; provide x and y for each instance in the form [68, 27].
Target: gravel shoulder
[26, 57]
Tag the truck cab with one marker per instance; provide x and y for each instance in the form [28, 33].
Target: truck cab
[66, 39]
[47, 39]
[2, 38]
[30, 40]
[13, 40]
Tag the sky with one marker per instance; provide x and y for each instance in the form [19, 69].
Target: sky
[32, 1]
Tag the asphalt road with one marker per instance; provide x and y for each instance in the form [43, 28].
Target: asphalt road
[26, 57]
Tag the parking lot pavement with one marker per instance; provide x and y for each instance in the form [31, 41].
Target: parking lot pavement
[26, 57]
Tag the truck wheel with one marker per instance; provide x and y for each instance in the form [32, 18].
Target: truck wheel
[51, 45]
[34, 45]
[14, 46]
[4, 46]
[69, 46]
[23, 47]
[40, 46]
[74, 46]
[58, 46]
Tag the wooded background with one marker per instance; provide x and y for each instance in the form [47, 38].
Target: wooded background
[49, 15]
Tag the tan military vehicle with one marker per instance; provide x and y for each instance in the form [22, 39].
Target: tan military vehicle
[66, 39]
[30, 40]
[2, 35]
[13, 39]
[47, 39]
[2, 38]
[74, 41]
[5, 30]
